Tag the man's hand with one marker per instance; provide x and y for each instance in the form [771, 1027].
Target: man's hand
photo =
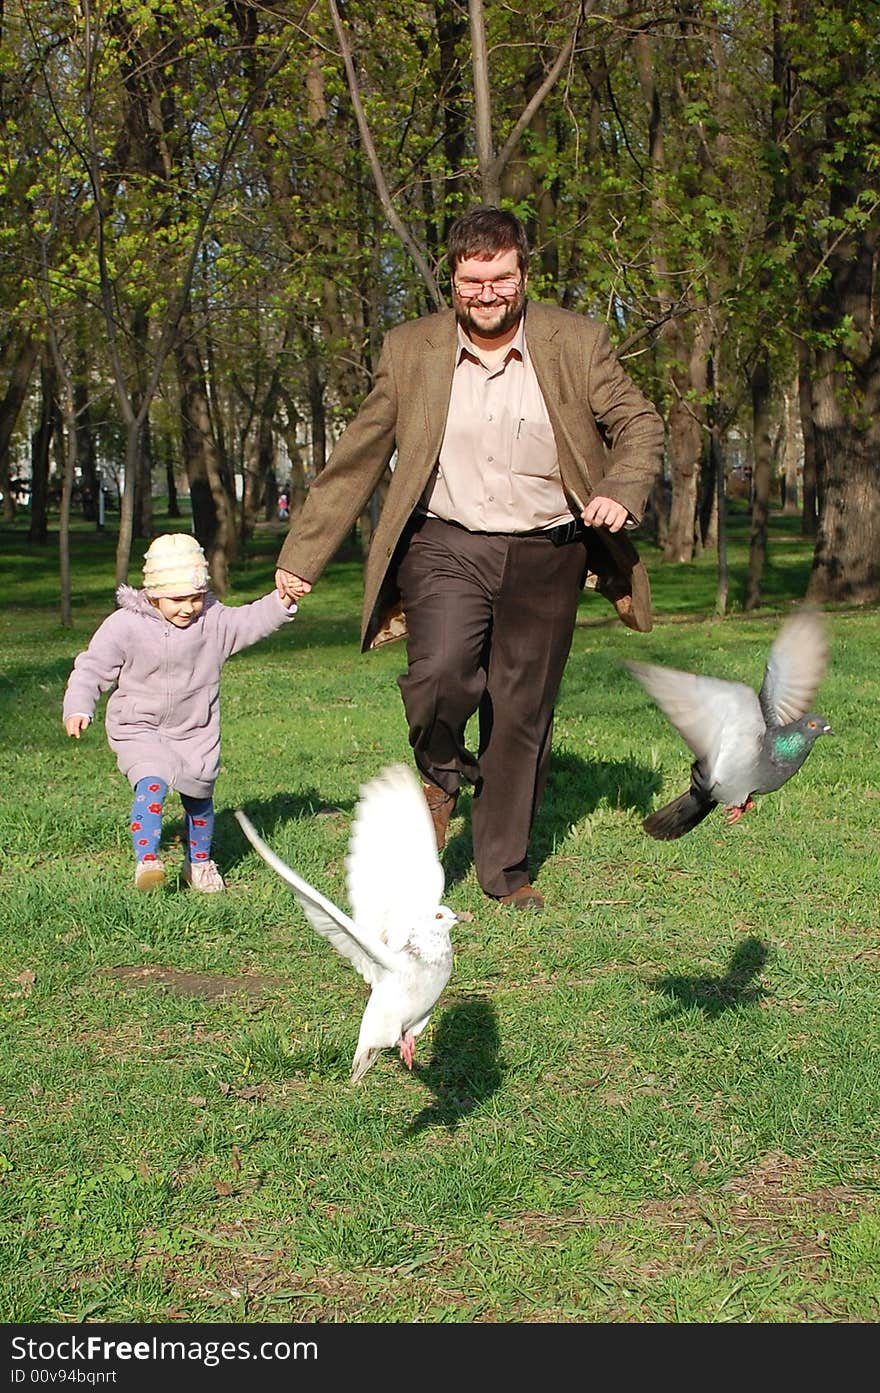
[75, 725]
[291, 587]
[605, 512]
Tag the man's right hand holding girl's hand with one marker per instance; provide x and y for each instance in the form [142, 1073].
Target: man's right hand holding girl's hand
[291, 587]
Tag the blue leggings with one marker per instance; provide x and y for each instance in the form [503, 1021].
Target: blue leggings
[146, 821]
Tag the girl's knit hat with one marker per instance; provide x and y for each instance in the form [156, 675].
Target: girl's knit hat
[175, 565]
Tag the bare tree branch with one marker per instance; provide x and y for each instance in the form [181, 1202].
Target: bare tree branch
[492, 166]
[406, 237]
[482, 102]
[546, 86]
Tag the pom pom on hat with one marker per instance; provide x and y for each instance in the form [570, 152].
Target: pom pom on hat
[175, 565]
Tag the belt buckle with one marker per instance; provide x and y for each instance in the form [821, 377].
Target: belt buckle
[564, 532]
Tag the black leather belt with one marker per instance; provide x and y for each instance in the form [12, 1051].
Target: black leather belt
[559, 535]
[562, 533]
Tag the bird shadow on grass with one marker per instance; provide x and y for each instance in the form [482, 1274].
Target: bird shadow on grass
[464, 1069]
[736, 988]
[575, 788]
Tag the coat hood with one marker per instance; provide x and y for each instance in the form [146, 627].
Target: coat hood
[138, 601]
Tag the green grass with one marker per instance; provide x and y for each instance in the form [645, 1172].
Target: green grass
[657, 1102]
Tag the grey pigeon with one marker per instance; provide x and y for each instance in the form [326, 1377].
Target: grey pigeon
[398, 935]
[744, 744]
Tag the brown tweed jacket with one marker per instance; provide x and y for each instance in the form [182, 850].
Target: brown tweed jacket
[609, 439]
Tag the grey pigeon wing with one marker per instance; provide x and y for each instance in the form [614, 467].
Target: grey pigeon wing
[371, 958]
[713, 716]
[795, 666]
[393, 871]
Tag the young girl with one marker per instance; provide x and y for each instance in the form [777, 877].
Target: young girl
[164, 648]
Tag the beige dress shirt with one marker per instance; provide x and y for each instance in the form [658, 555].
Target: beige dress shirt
[497, 470]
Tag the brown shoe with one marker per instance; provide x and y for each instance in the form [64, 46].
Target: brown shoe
[524, 897]
[441, 806]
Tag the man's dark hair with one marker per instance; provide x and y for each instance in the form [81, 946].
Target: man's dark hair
[484, 232]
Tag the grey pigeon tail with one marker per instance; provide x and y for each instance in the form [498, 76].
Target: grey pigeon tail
[398, 935]
[744, 743]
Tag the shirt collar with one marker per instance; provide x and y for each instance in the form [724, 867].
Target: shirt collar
[517, 344]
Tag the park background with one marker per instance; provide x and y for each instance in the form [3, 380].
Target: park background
[657, 1102]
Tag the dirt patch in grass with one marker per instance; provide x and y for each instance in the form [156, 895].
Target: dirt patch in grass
[766, 1200]
[182, 983]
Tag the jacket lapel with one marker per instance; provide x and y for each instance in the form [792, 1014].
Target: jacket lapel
[542, 338]
[545, 351]
[437, 364]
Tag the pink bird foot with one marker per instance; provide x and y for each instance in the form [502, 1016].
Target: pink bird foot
[734, 814]
[407, 1046]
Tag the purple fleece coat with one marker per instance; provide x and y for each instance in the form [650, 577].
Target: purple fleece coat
[164, 716]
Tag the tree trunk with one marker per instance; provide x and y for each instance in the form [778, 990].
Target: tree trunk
[686, 428]
[142, 520]
[126, 499]
[143, 509]
[687, 365]
[317, 415]
[213, 505]
[297, 483]
[716, 453]
[811, 493]
[683, 465]
[170, 479]
[70, 462]
[85, 441]
[790, 453]
[16, 391]
[708, 498]
[763, 460]
[846, 562]
[41, 443]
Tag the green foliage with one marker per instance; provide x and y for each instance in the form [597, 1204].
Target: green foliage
[765, 170]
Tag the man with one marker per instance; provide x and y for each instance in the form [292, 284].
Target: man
[523, 449]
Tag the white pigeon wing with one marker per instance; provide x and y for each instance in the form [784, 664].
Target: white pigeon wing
[371, 959]
[795, 666]
[393, 871]
[713, 716]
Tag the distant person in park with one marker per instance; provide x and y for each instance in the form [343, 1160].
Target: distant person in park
[283, 507]
[523, 451]
[164, 648]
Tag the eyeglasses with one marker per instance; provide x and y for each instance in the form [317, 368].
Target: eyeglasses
[505, 287]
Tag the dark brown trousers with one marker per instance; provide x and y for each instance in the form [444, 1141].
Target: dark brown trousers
[490, 621]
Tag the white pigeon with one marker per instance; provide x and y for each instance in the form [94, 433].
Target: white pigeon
[398, 935]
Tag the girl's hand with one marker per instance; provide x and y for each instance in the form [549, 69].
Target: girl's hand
[291, 587]
[75, 725]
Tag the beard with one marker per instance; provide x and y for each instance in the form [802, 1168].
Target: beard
[506, 314]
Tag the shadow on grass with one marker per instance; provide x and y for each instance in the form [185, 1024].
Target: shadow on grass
[575, 788]
[464, 1069]
[713, 995]
[267, 815]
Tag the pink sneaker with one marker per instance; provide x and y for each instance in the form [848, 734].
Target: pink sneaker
[203, 876]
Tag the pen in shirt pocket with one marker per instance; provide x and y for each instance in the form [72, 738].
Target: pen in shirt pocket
[519, 425]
